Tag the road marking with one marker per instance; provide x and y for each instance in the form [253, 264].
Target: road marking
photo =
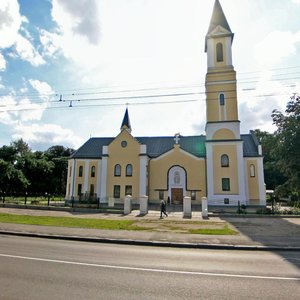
[147, 269]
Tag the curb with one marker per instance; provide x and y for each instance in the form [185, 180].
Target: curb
[150, 243]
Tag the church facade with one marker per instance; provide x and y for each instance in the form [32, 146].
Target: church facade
[225, 166]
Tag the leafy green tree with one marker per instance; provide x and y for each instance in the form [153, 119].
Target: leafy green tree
[274, 176]
[288, 143]
[59, 155]
[12, 178]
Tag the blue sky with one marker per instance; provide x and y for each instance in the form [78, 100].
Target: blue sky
[100, 56]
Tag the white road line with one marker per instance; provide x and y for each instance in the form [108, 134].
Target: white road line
[147, 269]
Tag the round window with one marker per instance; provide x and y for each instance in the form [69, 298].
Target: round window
[123, 144]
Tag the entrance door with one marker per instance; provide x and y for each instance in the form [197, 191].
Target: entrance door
[177, 196]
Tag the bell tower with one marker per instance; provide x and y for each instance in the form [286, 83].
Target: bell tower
[224, 147]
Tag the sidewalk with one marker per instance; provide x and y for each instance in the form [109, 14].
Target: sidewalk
[257, 233]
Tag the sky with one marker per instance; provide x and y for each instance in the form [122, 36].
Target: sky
[70, 68]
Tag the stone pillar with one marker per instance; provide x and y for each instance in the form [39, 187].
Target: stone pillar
[187, 207]
[143, 205]
[111, 202]
[204, 208]
[127, 205]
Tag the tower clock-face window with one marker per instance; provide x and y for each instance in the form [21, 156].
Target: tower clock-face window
[219, 52]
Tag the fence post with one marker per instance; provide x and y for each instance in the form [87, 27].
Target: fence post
[25, 198]
[48, 199]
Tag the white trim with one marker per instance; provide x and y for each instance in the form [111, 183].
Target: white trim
[143, 170]
[173, 184]
[210, 175]
[261, 181]
[103, 180]
[228, 51]
[241, 173]
[211, 129]
[73, 176]
[99, 168]
[220, 82]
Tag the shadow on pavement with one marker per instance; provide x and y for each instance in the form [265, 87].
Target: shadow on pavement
[271, 231]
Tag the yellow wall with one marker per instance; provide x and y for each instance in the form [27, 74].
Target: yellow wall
[123, 156]
[93, 180]
[212, 94]
[230, 172]
[223, 134]
[158, 173]
[252, 181]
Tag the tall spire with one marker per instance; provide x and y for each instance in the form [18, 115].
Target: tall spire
[217, 19]
[126, 122]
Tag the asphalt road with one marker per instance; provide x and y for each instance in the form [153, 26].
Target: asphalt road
[33, 268]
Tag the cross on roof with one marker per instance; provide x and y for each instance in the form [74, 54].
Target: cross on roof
[177, 138]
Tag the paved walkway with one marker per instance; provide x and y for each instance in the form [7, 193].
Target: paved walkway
[282, 233]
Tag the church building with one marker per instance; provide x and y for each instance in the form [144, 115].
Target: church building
[225, 166]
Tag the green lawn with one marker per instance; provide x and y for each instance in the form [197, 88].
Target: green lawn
[212, 228]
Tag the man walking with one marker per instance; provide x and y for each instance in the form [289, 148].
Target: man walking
[163, 209]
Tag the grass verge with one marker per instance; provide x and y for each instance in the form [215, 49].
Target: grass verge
[208, 228]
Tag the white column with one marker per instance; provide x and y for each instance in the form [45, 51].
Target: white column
[261, 181]
[209, 171]
[127, 205]
[187, 207]
[103, 181]
[143, 205]
[143, 170]
[73, 178]
[241, 173]
[204, 207]
[98, 188]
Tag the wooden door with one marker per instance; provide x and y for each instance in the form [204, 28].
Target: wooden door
[177, 196]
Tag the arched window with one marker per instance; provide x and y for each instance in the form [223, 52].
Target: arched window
[117, 170]
[176, 177]
[224, 160]
[219, 52]
[93, 171]
[222, 99]
[80, 171]
[129, 170]
[252, 171]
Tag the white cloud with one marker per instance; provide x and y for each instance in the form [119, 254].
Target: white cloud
[51, 42]
[79, 18]
[27, 52]
[42, 87]
[41, 136]
[296, 1]
[10, 32]
[7, 103]
[2, 63]
[276, 46]
[10, 22]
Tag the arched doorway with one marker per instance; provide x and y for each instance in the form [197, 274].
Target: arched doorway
[177, 184]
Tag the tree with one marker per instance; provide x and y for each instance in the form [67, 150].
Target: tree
[288, 143]
[59, 155]
[273, 174]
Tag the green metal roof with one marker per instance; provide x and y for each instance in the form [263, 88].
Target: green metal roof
[157, 146]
